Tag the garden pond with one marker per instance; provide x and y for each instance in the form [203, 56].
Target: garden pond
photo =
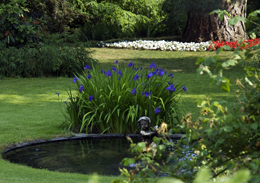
[84, 156]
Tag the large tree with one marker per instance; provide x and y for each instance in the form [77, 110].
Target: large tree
[201, 26]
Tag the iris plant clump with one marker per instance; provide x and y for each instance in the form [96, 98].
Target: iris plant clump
[111, 101]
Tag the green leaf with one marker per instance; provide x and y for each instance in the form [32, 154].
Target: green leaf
[254, 14]
[225, 47]
[219, 50]
[242, 176]
[203, 176]
[208, 61]
[254, 126]
[128, 161]
[248, 81]
[220, 13]
[12, 39]
[199, 60]
[253, 36]
[227, 129]
[234, 20]
[225, 85]
[228, 63]
[140, 147]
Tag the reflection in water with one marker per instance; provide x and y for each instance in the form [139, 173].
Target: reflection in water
[102, 156]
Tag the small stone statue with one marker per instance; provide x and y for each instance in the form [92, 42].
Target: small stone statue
[147, 134]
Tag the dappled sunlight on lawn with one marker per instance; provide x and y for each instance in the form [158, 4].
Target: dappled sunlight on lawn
[28, 99]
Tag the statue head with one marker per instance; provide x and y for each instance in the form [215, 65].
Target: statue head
[144, 122]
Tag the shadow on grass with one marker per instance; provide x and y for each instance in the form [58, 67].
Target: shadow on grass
[176, 65]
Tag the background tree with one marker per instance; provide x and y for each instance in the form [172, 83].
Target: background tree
[175, 18]
[201, 26]
[120, 18]
[59, 15]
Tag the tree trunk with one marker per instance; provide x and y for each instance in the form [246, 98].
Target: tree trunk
[201, 26]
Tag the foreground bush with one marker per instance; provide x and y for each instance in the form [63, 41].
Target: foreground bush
[112, 101]
[225, 137]
[43, 60]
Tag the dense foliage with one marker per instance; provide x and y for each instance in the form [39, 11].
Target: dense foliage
[112, 101]
[86, 20]
[16, 29]
[43, 60]
[128, 18]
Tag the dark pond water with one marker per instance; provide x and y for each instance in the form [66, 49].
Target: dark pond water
[102, 156]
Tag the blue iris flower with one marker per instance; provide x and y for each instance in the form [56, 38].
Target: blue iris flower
[113, 69]
[146, 94]
[152, 65]
[131, 64]
[81, 88]
[149, 75]
[155, 72]
[87, 67]
[89, 76]
[133, 91]
[157, 110]
[170, 75]
[116, 62]
[119, 73]
[75, 79]
[170, 88]
[184, 88]
[90, 98]
[161, 72]
[108, 73]
[136, 77]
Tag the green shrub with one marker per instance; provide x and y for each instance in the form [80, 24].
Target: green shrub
[15, 28]
[112, 101]
[43, 60]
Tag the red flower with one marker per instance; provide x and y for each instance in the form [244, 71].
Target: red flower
[243, 45]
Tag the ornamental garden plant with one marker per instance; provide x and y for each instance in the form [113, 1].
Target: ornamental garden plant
[246, 44]
[111, 101]
[158, 45]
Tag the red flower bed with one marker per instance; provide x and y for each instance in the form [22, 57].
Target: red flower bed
[243, 45]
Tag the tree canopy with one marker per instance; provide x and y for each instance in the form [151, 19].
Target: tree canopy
[103, 19]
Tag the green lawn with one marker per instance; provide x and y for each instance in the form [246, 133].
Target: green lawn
[30, 109]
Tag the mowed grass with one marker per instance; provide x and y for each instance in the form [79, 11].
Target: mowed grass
[31, 110]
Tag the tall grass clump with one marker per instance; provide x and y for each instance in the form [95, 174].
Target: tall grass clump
[111, 101]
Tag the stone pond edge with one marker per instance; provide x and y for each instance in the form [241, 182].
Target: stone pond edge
[78, 136]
